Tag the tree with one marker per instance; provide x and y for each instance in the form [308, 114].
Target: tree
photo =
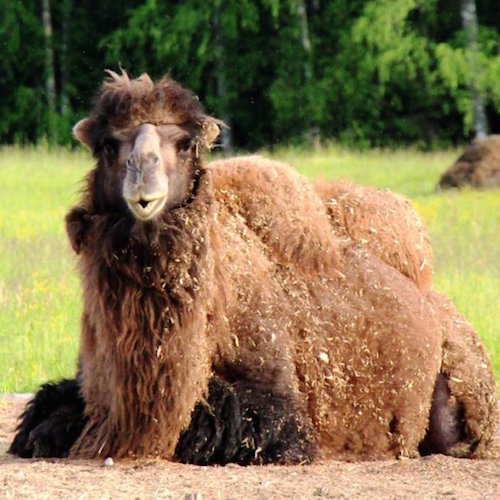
[212, 47]
[365, 72]
[401, 72]
[469, 21]
[21, 43]
[65, 47]
[221, 75]
[50, 81]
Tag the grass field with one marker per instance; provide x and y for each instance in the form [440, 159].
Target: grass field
[39, 290]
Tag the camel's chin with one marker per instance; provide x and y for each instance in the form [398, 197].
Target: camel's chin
[147, 211]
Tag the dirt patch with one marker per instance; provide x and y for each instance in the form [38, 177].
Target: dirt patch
[432, 477]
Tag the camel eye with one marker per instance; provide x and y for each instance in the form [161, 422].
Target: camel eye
[109, 148]
[183, 145]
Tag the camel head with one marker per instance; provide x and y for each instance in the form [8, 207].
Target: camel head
[148, 138]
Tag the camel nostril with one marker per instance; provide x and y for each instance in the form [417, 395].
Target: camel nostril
[130, 165]
[143, 203]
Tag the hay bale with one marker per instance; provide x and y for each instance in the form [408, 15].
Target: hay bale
[478, 167]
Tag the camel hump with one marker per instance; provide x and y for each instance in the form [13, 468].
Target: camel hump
[385, 224]
[282, 208]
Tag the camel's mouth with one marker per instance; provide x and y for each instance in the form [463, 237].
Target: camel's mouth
[147, 207]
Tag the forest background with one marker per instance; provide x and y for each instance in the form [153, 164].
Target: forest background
[364, 73]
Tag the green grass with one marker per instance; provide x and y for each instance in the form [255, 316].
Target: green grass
[39, 291]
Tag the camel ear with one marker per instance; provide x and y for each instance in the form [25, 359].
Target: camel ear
[210, 131]
[82, 131]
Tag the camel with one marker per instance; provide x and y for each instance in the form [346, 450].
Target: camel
[232, 312]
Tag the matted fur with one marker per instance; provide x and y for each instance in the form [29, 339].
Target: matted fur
[249, 280]
[256, 190]
[385, 224]
[382, 222]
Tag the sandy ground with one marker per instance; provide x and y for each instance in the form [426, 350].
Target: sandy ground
[432, 477]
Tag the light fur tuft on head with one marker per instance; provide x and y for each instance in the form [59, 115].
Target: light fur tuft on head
[122, 82]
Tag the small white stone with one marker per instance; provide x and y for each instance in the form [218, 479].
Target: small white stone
[193, 496]
[109, 462]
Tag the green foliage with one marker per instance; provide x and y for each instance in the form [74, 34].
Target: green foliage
[365, 72]
[21, 42]
[411, 83]
[40, 303]
[454, 66]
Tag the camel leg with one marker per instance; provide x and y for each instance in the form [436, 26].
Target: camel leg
[446, 421]
[464, 414]
[244, 424]
[51, 422]
[272, 429]
[241, 423]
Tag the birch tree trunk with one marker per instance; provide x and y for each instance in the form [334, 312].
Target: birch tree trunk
[312, 132]
[226, 137]
[470, 25]
[50, 82]
[65, 76]
[304, 37]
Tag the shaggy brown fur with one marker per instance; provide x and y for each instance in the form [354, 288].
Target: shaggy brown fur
[478, 167]
[148, 293]
[246, 280]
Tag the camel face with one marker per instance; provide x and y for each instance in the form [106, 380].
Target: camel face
[157, 173]
[145, 169]
[147, 140]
